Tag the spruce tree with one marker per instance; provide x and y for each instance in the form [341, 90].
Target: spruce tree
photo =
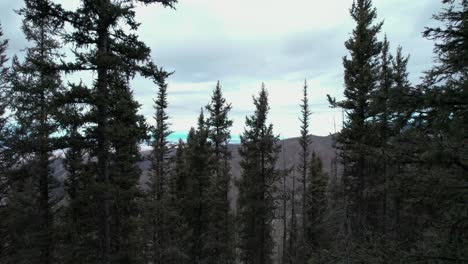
[287, 195]
[316, 205]
[76, 242]
[445, 85]
[425, 146]
[221, 228]
[304, 142]
[392, 105]
[284, 197]
[3, 106]
[76, 220]
[293, 234]
[361, 80]
[256, 207]
[103, 37]
[3, 79]
[400, 102]
[441, 138]
[34, 85]
[158, 184]
[179, 173]
[196, 198]
[77, 223]
[176, 226]
[380, 106]
[3, 138]
[126, 130]
[380, 97]
[19, 217]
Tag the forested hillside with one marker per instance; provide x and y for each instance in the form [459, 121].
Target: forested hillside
[86, 178]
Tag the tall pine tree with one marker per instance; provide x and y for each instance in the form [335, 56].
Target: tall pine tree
[35, 85]
[196, 198]
[442, 126]
[3, 138]
[222, 225]
[77, 224]
[126, 130]
[361, 80]
[316, 205]
[176, 224]
[3, 107]
[256, 205]
[381, 113]
[304, 142]
[156, 209]
[104, 41]
[3, 79]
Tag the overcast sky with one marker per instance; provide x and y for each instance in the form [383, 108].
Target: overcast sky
[243, 43]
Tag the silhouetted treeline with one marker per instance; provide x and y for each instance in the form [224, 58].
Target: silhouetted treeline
[397, 191]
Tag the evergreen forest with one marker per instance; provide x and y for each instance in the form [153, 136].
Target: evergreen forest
[392, 189]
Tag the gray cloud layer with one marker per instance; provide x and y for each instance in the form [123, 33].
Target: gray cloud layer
[244, 42]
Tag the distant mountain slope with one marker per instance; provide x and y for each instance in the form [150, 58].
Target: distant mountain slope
[321, 145]
[291, 148]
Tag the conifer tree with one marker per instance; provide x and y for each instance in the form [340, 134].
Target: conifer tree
[176, 250]
[392, 104]
[19, 217]
[293, 234]
[361, 80]
[441, 137]
[156, 199]
[102, 34]
[304, 142]
[381, 94]
[196, 194]
[445, 84]
[221, 228]
[77, 224]
[3, 138]
[380, 106]
[3, 106]
[34, 85]
[400, 102]
[126, 130]
[287, 195]
[179, 174]
[3, 80]
[316, 204]
[256, 206]
[284, 196]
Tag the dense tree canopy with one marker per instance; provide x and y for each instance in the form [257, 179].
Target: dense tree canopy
[85, 178]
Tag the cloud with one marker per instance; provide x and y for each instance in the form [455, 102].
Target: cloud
[11, 24]
[244, 42]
